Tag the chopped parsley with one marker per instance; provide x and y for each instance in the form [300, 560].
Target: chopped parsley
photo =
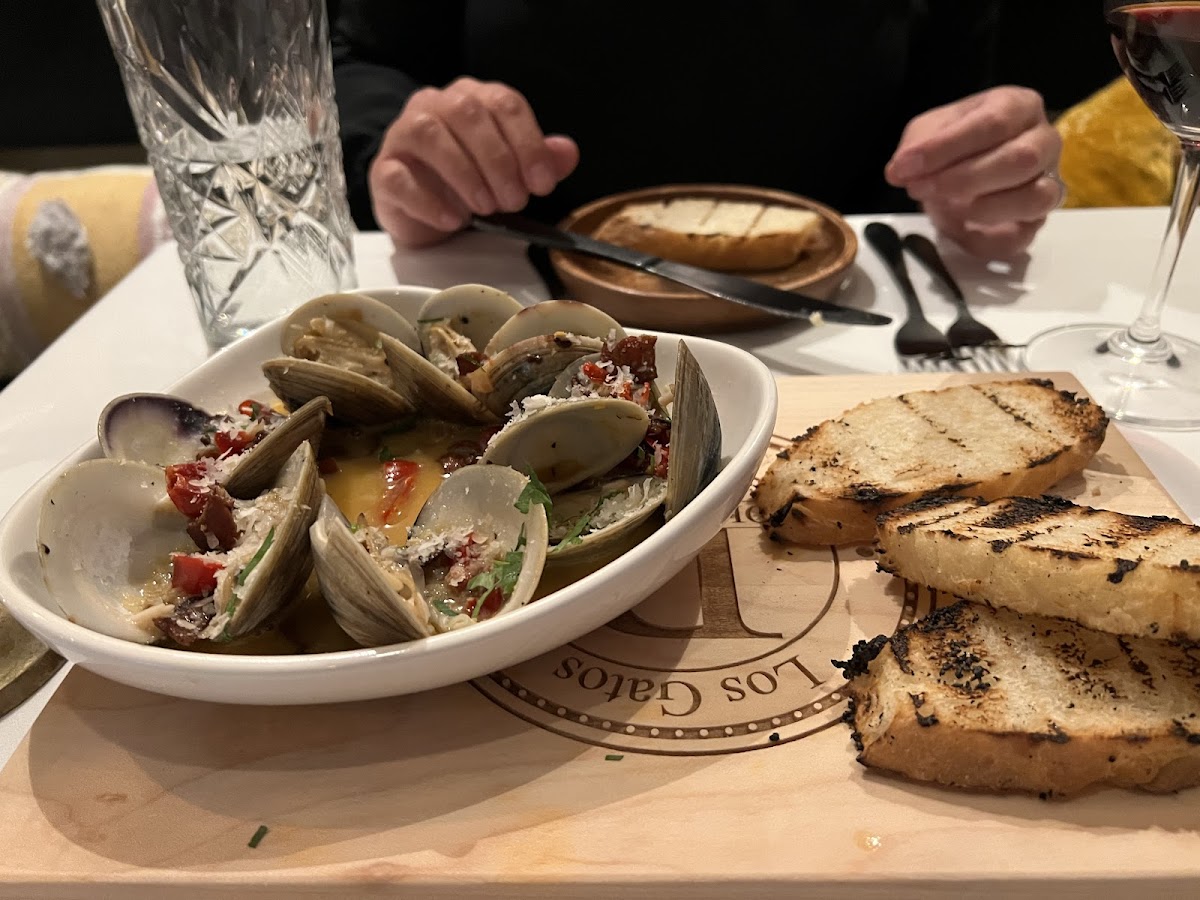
[256, 558]
[575, 534]
[614, 757]
[503, 574]
[533, 492]
[258, 836]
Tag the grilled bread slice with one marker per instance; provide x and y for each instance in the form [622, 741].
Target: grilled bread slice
[1047, 556]
[724, 235]
[989, 440]
[984, 699]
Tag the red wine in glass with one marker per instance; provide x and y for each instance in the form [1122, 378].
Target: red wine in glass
[1158, 47]
[1139, 374]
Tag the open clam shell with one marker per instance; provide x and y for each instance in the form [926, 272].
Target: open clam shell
[107, 531]
[600, 520]
[473, 311]
[333, 349]
[153, 428]
[484, 500]
[695, 434]
[424, 386]
[381, 595]
[106, 525]
[353, 398]
[163, 430]
[289, 507]
[373, 602]
[360, 314]
[550, 316]
[528, 367]
[566, 442]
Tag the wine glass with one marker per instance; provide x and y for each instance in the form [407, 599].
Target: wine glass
[1140, 375]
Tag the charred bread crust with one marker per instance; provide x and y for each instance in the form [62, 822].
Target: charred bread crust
[995, 701]
[826, 489]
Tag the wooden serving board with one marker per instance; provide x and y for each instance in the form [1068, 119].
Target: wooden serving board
[690, 749]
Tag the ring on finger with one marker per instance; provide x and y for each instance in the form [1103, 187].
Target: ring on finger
[1052, 175]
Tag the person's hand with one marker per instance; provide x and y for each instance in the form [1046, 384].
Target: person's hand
[983, 169]
[471, 147]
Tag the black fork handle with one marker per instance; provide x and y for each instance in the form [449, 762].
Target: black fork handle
[886, 241]
[924, 249]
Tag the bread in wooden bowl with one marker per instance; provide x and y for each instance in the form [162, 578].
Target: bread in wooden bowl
[990, 699]
[1112, 572]
[724, 235]
[994, 439]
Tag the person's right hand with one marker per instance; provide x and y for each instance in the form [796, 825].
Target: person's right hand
[471, 147]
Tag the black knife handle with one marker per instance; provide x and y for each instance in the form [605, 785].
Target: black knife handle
[886, 241]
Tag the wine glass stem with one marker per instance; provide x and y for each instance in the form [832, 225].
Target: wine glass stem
[1147, 328]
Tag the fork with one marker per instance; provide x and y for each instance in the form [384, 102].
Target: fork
[916, 337]
[969, 337]
[966, 330]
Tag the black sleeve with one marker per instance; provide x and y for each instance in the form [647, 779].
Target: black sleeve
[953, 53]
[383, 51]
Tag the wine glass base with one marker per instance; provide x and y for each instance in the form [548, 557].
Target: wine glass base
[1154, 393]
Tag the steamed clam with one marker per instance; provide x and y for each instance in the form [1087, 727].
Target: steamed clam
[464, 457]
[333, 348]
[456, 324]
[475, 552]
[114, 546]
[245, 450]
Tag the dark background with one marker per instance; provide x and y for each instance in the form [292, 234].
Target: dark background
[62, 103]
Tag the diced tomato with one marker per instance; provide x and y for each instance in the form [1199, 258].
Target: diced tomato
[236, 443]
[327, 465]
[194, 575]
[594, 373]
[399, 476]
[188, 498]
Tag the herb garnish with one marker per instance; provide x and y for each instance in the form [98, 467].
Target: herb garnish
[258, 836]
[533, 492]
[256, 558]
[503, 574]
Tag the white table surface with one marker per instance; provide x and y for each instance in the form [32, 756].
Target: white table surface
[1087, 265]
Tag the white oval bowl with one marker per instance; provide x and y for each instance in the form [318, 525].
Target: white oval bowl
[746, 401]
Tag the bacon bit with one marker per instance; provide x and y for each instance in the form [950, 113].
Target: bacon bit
[465, 562]
[461, 453]
[469, 362]
[327, 465]
[636, 352]
[187, 497]
[399, 476]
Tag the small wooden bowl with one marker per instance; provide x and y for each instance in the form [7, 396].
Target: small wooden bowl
[641, 300]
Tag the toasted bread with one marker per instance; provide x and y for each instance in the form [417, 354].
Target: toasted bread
[985, 699]
[725, 235]
[1116, 573]
[989, 440]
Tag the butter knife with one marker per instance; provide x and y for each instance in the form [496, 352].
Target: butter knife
[718, 284]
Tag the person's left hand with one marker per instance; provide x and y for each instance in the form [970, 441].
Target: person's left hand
[983, 169]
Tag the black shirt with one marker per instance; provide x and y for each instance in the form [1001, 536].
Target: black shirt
[805, 96]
